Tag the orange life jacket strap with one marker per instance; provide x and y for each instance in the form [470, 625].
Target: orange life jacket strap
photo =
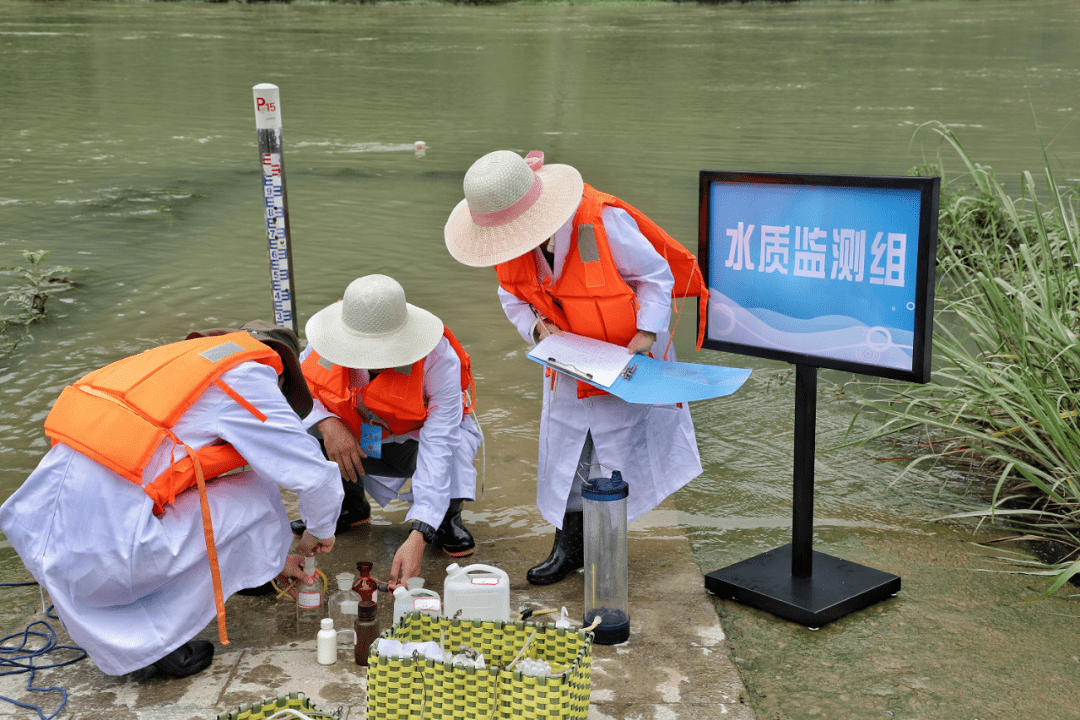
[211, 548]
[468, 385]
[240, 400]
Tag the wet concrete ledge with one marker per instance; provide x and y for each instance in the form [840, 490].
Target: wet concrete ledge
[676, 664]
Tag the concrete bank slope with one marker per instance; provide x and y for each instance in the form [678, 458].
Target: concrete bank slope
[675, 665]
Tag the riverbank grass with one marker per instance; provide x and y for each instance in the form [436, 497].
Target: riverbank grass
[1003, 403]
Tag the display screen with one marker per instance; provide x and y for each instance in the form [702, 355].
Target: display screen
[825, 270]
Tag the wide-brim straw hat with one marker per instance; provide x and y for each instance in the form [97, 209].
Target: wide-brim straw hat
[512, 205]
[373, 328]
[285, 343]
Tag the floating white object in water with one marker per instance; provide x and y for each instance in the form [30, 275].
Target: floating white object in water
[421, 148]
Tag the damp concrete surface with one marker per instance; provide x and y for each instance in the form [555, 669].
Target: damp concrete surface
[676, 663]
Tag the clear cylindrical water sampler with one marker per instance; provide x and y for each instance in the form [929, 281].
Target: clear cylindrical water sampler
[604, 505]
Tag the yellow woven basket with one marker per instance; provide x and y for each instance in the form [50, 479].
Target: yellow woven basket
[430, 689]
[295, 701]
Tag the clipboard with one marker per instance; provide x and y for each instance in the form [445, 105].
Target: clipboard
[635, 378]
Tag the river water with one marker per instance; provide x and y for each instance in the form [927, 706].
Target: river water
[128, 147]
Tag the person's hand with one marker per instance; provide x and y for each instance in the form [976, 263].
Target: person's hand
[311, 544]
[407, 560]
[544, 328]
[293, 574]
[342, 447]
[641, 343]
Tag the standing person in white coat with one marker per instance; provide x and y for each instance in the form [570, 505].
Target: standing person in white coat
[570, 258]
[120, 522]
[376, 364]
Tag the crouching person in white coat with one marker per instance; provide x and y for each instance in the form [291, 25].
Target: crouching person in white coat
[120, 521]
[380, 366]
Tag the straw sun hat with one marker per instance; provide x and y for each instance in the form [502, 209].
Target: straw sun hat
[373, 327]
[511, 205]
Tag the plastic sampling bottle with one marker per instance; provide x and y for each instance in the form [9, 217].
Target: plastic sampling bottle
[326, 643]
[341, 607]
[367, 630]
[413, 596]
[309, 597]
[606, 589]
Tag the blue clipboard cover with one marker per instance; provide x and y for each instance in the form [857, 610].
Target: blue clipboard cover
[635, 378]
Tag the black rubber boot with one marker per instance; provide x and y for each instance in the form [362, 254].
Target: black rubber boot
[355, 511]
[567, 555]
[191, 657]
[452, 536]
[265, 589]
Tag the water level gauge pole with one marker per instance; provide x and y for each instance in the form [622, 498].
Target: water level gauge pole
[271, 157]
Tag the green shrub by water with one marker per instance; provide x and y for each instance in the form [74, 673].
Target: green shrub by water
[28, 296]
[1002, 406]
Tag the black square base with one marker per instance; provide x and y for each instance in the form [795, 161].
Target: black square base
[835, 588]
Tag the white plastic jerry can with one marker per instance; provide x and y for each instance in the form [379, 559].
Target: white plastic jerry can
[480, 592]
[414, 596]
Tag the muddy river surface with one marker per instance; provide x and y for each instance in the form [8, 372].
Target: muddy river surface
[128, 148]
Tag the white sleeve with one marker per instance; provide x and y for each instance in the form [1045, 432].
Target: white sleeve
[520, 313]
[642, 267]
[439, 437]
[279, 448]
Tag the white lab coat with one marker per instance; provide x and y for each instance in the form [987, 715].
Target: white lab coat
[448, 442]
[652, 445]
[131, 587]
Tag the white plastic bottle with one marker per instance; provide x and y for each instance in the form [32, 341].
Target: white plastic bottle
[414, 596]
[478, 592]
[326, 643]
[309, 597]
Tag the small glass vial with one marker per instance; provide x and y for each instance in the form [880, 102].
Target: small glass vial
[367, 630]
[309, 597]
[326, 643]
[341, 607]
[606, 592]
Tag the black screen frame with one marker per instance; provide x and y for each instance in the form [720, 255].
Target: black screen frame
[929, 190]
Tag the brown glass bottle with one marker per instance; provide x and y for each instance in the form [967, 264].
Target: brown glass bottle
[366, 586]
[367, 630]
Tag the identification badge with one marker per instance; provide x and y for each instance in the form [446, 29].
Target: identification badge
[371, 440]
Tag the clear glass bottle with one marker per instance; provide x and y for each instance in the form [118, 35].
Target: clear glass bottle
[367, 630]
[342, 608]
[309, 598]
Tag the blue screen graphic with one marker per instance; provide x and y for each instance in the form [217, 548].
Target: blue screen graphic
[814, 269]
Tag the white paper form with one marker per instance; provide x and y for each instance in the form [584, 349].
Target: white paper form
[586, 358]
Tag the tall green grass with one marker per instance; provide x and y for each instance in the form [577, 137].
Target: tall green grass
[1003, 404]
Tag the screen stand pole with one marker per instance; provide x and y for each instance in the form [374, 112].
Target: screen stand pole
[802, 501]
[793, 581]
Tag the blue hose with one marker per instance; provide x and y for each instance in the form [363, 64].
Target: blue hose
[20, 659]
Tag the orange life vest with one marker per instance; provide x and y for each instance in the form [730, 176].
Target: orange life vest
[120, 415]
[394, 400]
[590, 298]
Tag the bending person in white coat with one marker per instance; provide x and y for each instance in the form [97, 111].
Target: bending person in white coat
[379, 366]
[572, 259]
[117, 535]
